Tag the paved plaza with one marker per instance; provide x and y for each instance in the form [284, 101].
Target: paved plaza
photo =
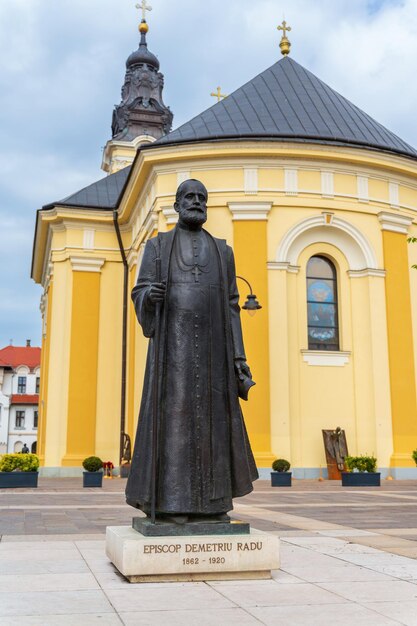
[348, 555]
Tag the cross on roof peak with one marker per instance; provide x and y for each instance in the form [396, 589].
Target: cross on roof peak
[285, 44]
[218, 94]
[143, 6]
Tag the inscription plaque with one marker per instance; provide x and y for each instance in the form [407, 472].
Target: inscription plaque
[146, 559]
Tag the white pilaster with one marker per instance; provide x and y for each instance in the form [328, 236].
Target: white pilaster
[88, 239]
[182, 176]
[249, 210]
[86, 264]
[291, 182]
[170, 214]
[394, 223]
[251, 181]
[394, 195]
[363, 192]
[327, 184]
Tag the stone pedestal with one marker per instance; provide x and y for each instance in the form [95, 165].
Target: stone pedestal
[207, 557]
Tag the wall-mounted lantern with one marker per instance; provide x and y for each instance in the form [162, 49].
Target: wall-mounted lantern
[251, 305]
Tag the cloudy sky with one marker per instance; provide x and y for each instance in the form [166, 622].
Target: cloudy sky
[62, 67]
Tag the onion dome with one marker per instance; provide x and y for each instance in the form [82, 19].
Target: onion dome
[142, 54]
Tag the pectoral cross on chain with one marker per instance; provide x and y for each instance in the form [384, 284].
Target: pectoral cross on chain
[144, 6]
[196, 273]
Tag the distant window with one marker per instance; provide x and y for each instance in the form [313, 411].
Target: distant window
[38, 380]
[21, 384]
[35, 419]
[34, 446]
[20, 419]
[322, 307]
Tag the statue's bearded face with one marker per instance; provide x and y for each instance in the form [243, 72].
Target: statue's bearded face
[191, 203]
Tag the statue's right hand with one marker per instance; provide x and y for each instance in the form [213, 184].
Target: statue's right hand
[156, 292]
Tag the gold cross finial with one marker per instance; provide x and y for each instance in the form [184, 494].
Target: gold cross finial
[144, 6]
[285, 44]
[218, 94]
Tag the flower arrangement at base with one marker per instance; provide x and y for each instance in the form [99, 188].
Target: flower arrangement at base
[108, 467]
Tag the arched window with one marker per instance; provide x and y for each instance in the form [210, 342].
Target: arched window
[322, 313]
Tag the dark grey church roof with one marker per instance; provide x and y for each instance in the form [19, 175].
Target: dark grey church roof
[286, 101]
[103, 194]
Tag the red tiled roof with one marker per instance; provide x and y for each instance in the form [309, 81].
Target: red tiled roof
[14, 356]
[24, 398]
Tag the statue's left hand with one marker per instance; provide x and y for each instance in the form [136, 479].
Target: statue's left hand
[242, 369]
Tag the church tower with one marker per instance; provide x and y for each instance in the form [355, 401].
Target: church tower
[141, 117]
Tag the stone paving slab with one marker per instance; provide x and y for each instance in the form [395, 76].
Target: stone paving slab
[347, 557]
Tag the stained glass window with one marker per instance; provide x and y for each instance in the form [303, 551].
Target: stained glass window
[322, 313]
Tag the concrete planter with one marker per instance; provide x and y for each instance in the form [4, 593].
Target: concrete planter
[125, 470]
[361, 479]
[93, 479]
[281, 479]
[12, 480]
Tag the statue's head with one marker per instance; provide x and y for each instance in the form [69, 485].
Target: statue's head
[191, 203]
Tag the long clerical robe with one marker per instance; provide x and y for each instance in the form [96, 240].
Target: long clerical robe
[203, 453]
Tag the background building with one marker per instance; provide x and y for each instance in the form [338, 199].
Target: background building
[19, 397]
[317, 200]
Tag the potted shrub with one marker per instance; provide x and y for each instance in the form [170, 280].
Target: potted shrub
[414, 455]
[280, 476]
[93, 475]
[361, 472]
[19, 470]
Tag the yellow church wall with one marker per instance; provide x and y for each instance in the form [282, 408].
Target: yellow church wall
[131, 369]
[412, 260]
[270, 178]
[44, 377]
[56, 399]
[345, 184]
[408, 196]
[140, 351]
[293, 400]
[326, 393]
[215, 179]
[378, 189]
[166, 183]
[256, 332]
[309, 180]
[107, 422]
[400, 342]
[219, 223]
[280, 409]
[83, 368]
[380, 365]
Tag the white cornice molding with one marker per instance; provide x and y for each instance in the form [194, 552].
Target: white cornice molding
[325, 358]
[182, 175]
[132, 258]
[86, 264]
[170, 214]
[394, 223]
[243, 211]
[276, 265]
[366, 272]
[151, 223]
